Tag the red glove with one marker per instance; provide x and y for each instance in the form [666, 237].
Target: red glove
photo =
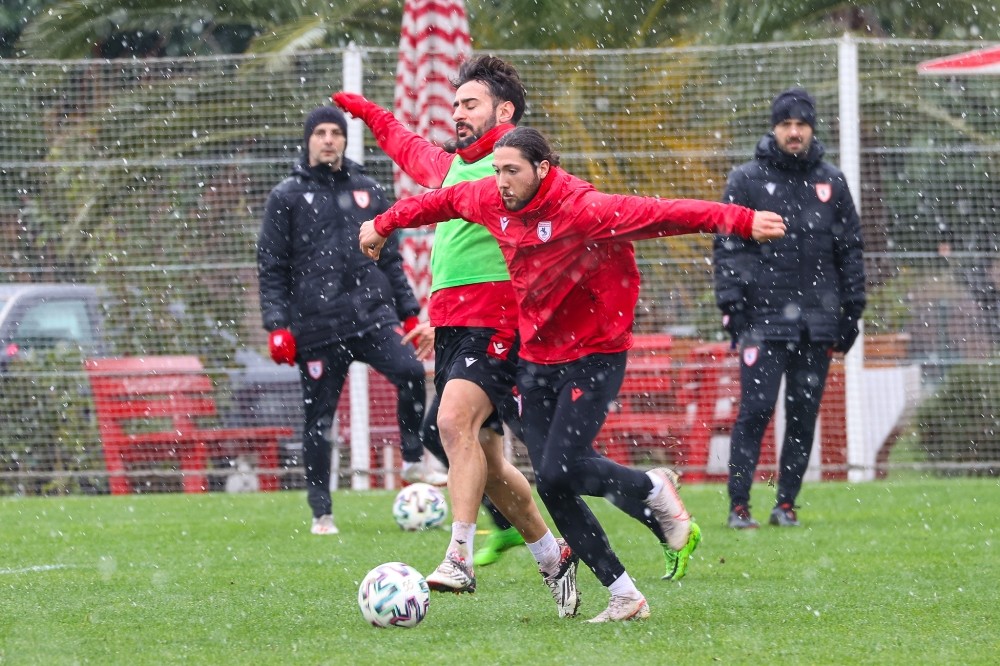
[409, 324]
[282, 346]
[353, 103]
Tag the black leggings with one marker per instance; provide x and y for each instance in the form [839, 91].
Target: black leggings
[563, 409]
[804, 366]
[322, 373]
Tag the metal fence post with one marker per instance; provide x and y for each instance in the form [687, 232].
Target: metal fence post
[360, 431]
[859, 467]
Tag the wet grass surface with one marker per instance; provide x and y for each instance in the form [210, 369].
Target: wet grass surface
[895, 571]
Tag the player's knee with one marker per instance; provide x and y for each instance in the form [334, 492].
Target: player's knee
[756, 414]
[454, 428]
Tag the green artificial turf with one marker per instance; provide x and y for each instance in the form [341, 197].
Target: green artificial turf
[898, 571]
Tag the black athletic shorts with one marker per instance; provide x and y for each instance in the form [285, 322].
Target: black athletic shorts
[487, 357]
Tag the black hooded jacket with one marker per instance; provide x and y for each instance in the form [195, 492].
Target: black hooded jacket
[313, 278]
[813, 276]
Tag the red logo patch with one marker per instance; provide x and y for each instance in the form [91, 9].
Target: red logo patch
[750, 355]
[824, 191]
[315, 369]
[575, 394]
[362, 198]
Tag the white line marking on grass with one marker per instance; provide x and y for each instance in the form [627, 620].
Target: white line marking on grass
[36, 568]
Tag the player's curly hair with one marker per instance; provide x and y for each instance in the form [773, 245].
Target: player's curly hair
[499, 76]
[531, 143]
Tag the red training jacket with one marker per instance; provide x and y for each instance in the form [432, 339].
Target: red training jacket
[570, 253]
[483, 304]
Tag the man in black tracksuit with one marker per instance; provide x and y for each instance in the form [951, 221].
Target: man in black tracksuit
[326, 304]
[790, 303]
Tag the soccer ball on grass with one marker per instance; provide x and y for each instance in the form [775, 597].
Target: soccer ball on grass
[419, 506]
[394, 595]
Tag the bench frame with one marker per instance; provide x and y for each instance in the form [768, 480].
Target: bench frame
[148, 409]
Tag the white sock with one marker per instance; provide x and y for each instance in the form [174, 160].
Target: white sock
[462, 535]
[624, 587]
[657, 485]
[546, 552]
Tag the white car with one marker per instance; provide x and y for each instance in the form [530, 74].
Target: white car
[41, 316]
[45, 316]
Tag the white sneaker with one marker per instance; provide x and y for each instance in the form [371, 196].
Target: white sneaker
[622, 609]
[324, 525]
[668, 510]
[562, 584]
[418, 472]
[452, 575]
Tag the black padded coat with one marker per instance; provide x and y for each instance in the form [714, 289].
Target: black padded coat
[813, 276]
[313, 277]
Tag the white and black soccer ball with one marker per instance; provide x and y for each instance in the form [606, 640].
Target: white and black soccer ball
[419, 506]
[394, 594]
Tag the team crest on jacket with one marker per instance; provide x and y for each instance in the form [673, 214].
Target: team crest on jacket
[750, 355]
[504, 221]
[544, 231]
[362, 198]
[315, 369]
[824, 191]
[309, 196]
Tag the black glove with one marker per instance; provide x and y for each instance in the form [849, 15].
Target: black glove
[847, 331]
[735, 322]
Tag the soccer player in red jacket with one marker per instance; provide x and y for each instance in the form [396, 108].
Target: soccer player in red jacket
[569, 251]
[474, 315]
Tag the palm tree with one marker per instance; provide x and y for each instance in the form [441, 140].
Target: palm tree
[729, 22]
[72, 29]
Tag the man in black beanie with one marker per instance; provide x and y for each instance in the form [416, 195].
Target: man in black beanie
[794, 103]
[320, 115]
[788, 304]
[325, 304]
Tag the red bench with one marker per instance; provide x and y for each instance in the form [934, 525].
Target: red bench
[152, 408]
[651, 411]
[713, 371]
[673, 405]
[682, 407]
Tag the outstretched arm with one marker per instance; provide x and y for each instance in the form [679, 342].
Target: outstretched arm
[463, 200]
[371, 241]
[767, 226]
[424, 162]
[633, 218]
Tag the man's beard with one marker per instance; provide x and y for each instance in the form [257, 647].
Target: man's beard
[333, 163]
[802, 150]
[473, 134]
[468, 140]
[519, 204]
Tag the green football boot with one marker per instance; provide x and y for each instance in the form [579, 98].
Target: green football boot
[497, 542]
[677, 560]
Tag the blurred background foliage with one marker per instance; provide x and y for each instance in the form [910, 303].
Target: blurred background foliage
[166, 28]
